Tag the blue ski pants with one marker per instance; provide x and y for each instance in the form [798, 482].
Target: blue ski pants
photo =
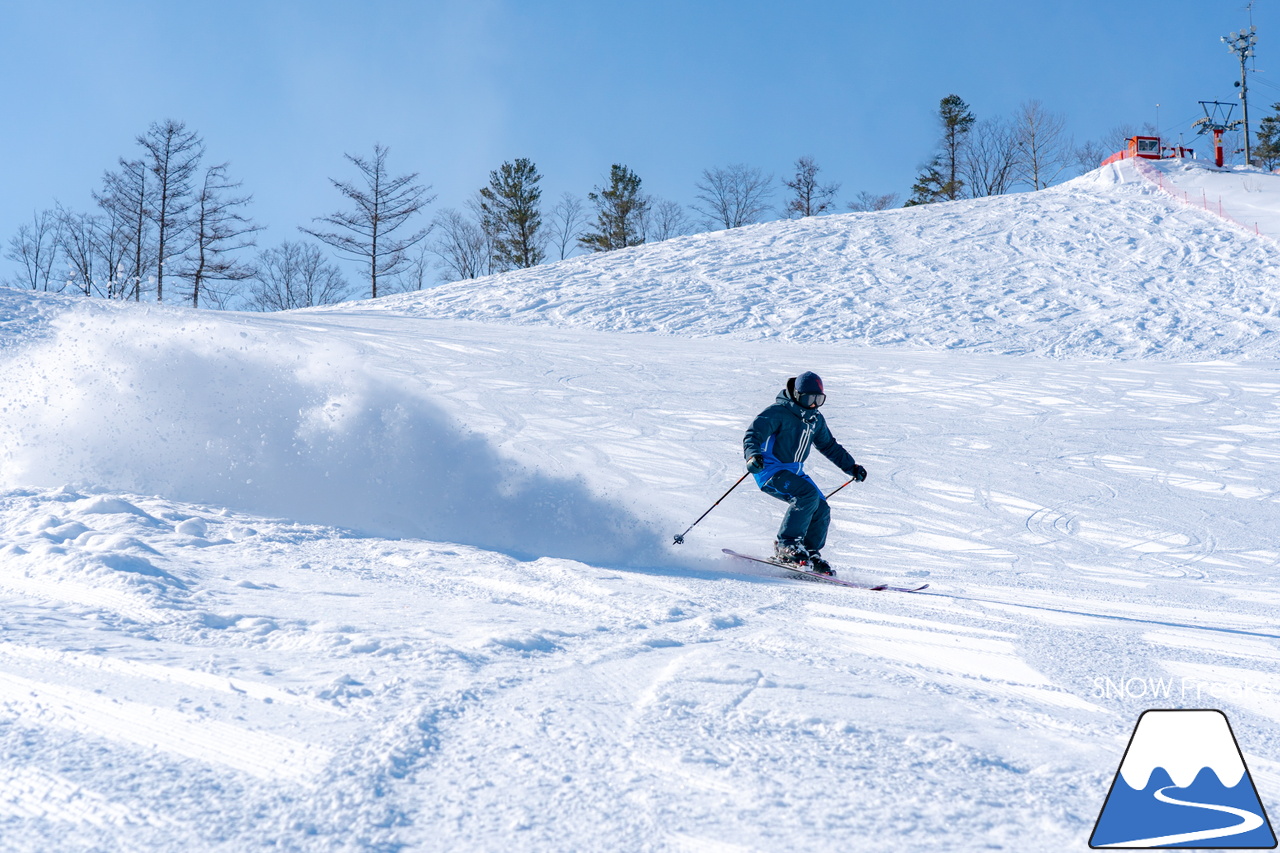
[808, 516]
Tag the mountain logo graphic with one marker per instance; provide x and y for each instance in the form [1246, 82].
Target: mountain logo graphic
[1183, 782]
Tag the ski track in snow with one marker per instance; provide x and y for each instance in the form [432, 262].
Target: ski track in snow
[230, 624]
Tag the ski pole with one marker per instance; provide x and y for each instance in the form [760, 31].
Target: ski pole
[838, 488]
[680, 536]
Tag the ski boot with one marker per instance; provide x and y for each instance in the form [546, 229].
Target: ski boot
[819, 565]
[791, 554]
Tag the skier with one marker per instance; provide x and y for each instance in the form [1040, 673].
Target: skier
[775, 446]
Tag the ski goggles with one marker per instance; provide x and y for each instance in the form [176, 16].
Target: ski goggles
[811, 401]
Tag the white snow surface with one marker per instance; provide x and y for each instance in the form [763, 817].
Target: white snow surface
[1110, 265]
[398, 575]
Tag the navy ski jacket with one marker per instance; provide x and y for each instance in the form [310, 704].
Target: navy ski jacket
[784, 433]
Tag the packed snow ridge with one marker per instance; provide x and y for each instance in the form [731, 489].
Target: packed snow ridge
[1112, 264]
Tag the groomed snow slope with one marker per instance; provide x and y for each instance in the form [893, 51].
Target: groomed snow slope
[1106, 265]
[361, 580]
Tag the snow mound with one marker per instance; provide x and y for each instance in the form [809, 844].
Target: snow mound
[197, 408]
[1105, 266]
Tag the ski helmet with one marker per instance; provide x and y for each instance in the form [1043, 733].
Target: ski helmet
[809, 393]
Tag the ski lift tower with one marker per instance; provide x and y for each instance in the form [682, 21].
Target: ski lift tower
[1217, 118]
[1242, 44]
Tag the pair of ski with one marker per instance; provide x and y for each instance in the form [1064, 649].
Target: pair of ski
[818, 576]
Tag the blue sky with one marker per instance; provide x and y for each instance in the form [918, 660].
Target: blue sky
[283, 89]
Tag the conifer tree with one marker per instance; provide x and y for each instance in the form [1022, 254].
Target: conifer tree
[510, 211]
[930, 185]
[941, 179]
[957, 120]
[620, 213]
[1266, 150]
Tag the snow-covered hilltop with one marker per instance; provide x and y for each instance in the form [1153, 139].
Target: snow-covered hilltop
[1107, 265]
[397, 575]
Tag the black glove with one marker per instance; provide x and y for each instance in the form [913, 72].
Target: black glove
[857, 472]
[755, 464]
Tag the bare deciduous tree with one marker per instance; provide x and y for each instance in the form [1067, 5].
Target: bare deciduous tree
[126, 196]
[1089, 155]
[382, 206]
[665, 219]
[464, 249]
[416, 274]
[809, 197]
[1043, 144]
[294, 275]
[218, 231]
[733, 196]
[35, 249]
[568, 218]
[94, 248]
[79, 247]
[989, 158]
[865, 201]
[173, 158]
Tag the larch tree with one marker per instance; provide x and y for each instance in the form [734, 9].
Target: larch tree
[173, 156]
[383, 205]
[218, 230]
